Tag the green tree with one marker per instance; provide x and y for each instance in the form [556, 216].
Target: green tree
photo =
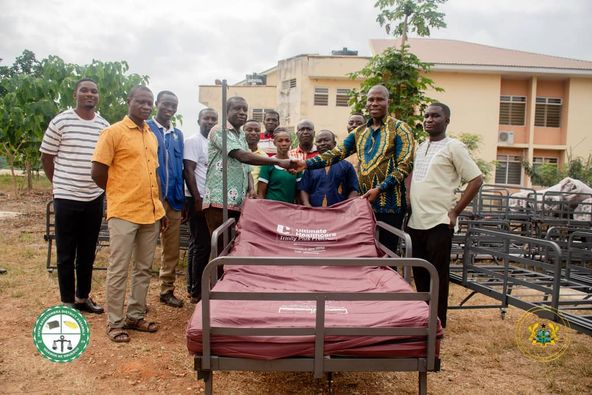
[404, 75]
[28, 101]
[399, 70]
[114, 83]
[472, 142]
[550, 174]
[32, 92]
[398, 17]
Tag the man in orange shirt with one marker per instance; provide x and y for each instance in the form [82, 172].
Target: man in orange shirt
[124, 165]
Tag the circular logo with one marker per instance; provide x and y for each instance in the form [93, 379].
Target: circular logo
[541, 334]
[61, 334]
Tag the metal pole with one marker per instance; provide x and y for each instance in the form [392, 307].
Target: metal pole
[224, 161]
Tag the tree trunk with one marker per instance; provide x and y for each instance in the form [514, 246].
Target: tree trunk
[404, 35]
[7, 152]
[12, 173]
[29, 172]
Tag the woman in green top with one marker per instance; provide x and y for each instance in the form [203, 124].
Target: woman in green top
[276, 183]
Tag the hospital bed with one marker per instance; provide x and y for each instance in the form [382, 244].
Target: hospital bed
[311, 290]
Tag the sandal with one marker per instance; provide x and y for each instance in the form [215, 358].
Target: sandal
[118, 335]
[140, 325]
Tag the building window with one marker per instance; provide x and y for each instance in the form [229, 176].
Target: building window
[512, 110]
[259, 113]
[288, 84]
[321, 96]
[548, 112]
[342, 98]
[508, 170]
[538, 161]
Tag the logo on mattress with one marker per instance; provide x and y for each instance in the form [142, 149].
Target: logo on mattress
[541, 339]
[286, 233]
[310, 309]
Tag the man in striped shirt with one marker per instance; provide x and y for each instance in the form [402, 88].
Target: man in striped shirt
[66, 152]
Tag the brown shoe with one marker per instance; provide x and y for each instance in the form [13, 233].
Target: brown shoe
[140, 325]
[118, 335]
[171, 300]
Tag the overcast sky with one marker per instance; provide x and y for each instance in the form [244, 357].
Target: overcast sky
[181, 44]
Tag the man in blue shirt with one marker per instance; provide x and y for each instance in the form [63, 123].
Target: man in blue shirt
[330, 185]
[170, 174]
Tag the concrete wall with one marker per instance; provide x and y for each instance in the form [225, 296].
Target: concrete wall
[474, 103]
[256, 96]
[516, 87]
[331, 116]
[579, 135]
[473, 97]
[547, 135]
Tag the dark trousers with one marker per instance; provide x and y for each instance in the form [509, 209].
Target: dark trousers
[214, 218]
[387, 238]
[434, 246]
[77, 226]
[199, 248]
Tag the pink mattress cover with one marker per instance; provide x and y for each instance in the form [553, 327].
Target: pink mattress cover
[352, 222]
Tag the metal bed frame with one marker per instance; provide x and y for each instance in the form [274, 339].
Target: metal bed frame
[102, 241]
[537, 269]
[319, 364]
[549, 215]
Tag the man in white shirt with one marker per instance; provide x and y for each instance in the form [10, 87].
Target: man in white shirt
[195, 161]
[66, 151]
[441, 164]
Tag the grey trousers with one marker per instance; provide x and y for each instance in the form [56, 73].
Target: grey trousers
[127, 238]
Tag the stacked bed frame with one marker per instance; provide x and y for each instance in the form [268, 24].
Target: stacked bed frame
[527, 252]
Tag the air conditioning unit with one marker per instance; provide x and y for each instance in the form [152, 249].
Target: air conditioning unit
[506, 138]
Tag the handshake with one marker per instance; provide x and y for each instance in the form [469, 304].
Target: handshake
[292, 165]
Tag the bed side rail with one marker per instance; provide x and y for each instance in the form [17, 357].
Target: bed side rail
[319, 331]
[403, 236]
[405, 250]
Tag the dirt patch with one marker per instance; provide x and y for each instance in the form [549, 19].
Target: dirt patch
[8, 214]
[478, 353]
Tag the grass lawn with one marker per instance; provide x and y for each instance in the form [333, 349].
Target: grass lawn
[40, 183]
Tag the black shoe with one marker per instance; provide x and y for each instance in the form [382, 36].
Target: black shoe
[171, 300]
[3, 271]
[89, 306]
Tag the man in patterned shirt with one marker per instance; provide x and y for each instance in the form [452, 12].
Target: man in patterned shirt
[385, 148]
[240, 182]
[66, 151]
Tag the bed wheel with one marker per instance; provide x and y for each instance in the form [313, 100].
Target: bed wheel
[330, 383]
[208, 381]
[423, 383]
[503, 312]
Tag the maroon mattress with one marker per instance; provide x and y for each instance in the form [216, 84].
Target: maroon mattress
[343, 228]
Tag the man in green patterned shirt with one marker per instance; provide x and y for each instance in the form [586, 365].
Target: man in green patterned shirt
[240, 182]
[385, 147]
